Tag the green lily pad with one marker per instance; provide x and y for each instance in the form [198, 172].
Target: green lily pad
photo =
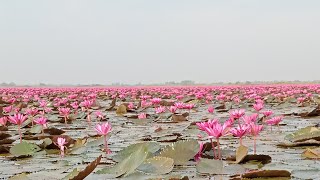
[129, 164]
[210, 166]
[24, 149]
[181, 152]
[304, 134]
[157, 165]
[22, 176]
[36, 129]
[254, 164]
[81, 148]
[151, 147]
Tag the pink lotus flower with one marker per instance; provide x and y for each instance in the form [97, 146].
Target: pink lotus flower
[3, 121]
[99, 115]
[65, 113]
[156, 101]
[18, 119]
[180, 97]
[104, 129]
[211, 109]
[217, 131]
[189, 106]
[267, 113]
[179, 105]
[8, 109]
[160, 109]
[221, 97]
[236, 100]
[74, 105]
[237, 113]
[43, 103]
[300, 100]
[173, 109]
[61, 142]
[229, 122]
[87, 104]
[250, 119]
[43, 122]
[209, 124]
[131, 105]
[47, 110]
[258, 107]
[274, 121]
[32, 112]
[259, 101]
[240, 131]
[255, 130]
[142, 116]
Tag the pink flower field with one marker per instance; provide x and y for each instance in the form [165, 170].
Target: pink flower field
[225, 132]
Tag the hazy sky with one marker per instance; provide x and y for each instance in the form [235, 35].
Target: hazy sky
[148, 41]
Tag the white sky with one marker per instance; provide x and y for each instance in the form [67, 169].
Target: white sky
[131, 41]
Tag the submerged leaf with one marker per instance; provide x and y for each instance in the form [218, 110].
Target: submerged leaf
[36, 129]
[181, 152]
[305, 134]
[157, 165]
[151, 147]
[24, 149]
[210, 166]
[22, 176]
[129, 164]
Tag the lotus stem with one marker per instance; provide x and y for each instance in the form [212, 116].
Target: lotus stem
[219, 150]
[32, 121]
[88, 116]
[254, 144]
[106, 144]
[42, 130]
[214, 150]
[62, 151]
[19, 130]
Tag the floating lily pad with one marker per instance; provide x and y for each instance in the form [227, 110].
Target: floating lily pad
[129, 164]
[181, 151]
[36, 129]
[305, 134]
[210, 166]
[151, 147]
[157, 165]
[24, 149]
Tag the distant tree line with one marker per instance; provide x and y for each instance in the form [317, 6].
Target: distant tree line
[169, 83]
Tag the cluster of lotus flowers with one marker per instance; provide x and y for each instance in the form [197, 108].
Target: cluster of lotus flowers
[72, 100]
[15, 116]
[247, 125]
